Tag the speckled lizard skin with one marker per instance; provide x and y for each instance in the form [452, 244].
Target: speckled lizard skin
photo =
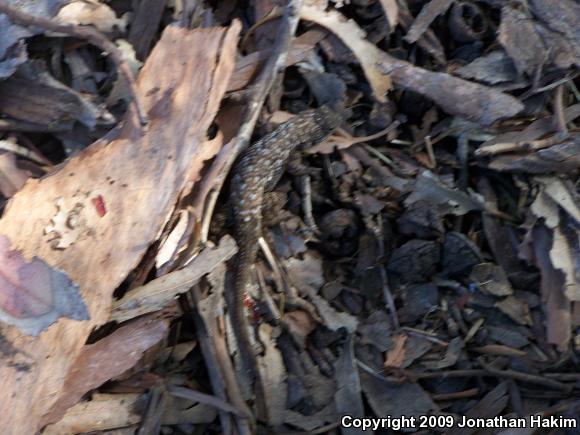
[256, 172]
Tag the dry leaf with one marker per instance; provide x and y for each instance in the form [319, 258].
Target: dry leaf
[554, 196]
[341, 139]
[516, 310]
[565, 258]
[412, 400]
[491, 279]
[429, 188]
[396, 355]
[300, 323]
[452, 354]
[430, 11]
[490, 406]
[353, 37]
[92, 12]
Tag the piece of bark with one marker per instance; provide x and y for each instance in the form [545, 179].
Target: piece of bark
[107, 359]
[104, 412]
[137, 177]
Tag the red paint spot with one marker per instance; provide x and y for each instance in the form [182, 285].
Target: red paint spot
[99, 204]
[248, 302]
[252, 307]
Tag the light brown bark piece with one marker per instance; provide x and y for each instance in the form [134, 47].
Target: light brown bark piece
[108, 358]
[121, 190]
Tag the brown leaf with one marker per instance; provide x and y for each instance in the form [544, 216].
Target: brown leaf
[557, 305]
[560, 158]
[35, 96]
[396, 356]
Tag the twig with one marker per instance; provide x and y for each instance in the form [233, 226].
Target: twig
[198, 396]
[13, 147]
[526, 377]
[271, 260]
[507, 147]
[387, 294]
[467, 373]
[307, 205]
[430, 152]
[151, 421]
[210, 355]
[425, 335]
[220, 168]
[84, 32]
[559, 116]
[456, 395]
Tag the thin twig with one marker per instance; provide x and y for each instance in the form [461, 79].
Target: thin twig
[307, 205]
[430, 152]
[456, 395]
[151, 421]
[526, 377]
[559, 116]
[214, 179]
[84, 32]
[198, 396]
[215, 370]
[508, 147]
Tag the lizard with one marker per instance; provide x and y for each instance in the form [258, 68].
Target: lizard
[256, 172]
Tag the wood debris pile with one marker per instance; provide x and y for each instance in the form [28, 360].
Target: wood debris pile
[424, 260]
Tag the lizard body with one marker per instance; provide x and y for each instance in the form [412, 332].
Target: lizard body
[256, 172]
